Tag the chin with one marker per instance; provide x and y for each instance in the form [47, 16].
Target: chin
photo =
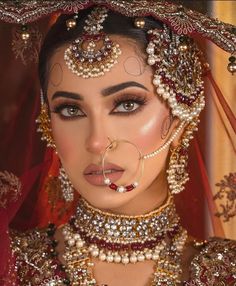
[105, 198]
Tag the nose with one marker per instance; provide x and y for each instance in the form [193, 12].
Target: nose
[97, 139]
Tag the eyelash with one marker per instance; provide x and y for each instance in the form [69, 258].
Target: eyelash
[140, 100]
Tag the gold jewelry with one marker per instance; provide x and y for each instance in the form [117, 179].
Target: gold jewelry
[92, 233]
[139, 22]
[177, 63]
[66, 185]
[93, 53]
[166, 145]
[177, 175]
[72, 22]
[44, 127]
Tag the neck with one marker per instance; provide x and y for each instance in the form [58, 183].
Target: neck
[126, 238]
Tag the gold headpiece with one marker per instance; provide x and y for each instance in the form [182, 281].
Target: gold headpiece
[93, 53]
[178, 72]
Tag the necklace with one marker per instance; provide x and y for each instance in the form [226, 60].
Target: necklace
[112, 238]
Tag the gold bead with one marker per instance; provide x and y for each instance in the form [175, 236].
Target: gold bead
[25, 36]
[232, 67]
[183, 47]
[139, 23]
[70, 23]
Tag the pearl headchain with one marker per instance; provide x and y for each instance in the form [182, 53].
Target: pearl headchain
[168, 142]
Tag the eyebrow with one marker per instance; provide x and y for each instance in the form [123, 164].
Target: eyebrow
[67, 94]
[118, 87]
[105, 92]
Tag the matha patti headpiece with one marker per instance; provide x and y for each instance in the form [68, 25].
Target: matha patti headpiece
[93, 53]
[177, 72]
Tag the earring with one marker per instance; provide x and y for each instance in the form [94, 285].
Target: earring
[44, 127]
[66, 186]
[177, 174]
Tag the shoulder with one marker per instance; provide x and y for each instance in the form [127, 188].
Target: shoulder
[30, 242]
[214, 264]
[35, 257]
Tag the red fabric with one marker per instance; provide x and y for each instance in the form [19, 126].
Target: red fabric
[22, 153]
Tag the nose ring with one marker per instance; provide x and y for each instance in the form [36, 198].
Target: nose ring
[113, 144]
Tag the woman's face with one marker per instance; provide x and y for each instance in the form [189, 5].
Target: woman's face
[86, 114]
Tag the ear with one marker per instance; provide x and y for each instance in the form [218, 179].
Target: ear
[176, 123]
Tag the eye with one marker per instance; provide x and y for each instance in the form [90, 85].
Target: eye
[127, 106]
[69, 111]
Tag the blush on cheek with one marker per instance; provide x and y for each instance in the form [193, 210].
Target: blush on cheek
[65, 140]
[148, 133]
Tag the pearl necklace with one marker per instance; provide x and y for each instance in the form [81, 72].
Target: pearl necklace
[83, 242]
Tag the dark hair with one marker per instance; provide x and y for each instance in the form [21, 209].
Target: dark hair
[115, 24]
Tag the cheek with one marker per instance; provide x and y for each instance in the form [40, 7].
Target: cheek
[147, 128]
[67, 136]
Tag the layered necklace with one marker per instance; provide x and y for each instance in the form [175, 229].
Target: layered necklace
[113, 238]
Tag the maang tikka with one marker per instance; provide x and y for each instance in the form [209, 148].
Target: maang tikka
[93, 53]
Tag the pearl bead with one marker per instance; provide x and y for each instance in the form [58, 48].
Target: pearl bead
[155, 256]
[156, 81]
[148, 255]
[91, 248]
[102, 256]
[77, 236]
[151, 61]
[71, 242]
[107, 181]
[141, 257]
[79, 243]
[150, 50]
[133, 258]
[135, 184]
[160, 90]
[117, 258]
[121, 189]
[95, 253]
[110, 258]
[125, 260]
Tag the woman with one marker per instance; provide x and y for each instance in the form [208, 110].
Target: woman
[121, 98]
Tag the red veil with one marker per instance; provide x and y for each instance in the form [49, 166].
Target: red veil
[25, 197]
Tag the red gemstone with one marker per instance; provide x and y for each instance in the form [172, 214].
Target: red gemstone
[113, 186]
[117, 246]
[129, 188]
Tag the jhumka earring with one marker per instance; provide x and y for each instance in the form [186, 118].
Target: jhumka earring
[44, 127]
[66, 186]
[93, 53]
[177, 171]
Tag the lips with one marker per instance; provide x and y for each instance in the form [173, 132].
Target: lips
[92, 168]
[93, 173]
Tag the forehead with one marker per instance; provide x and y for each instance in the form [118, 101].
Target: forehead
[131, 66]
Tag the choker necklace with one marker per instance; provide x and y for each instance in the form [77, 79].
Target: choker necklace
[113, 238]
